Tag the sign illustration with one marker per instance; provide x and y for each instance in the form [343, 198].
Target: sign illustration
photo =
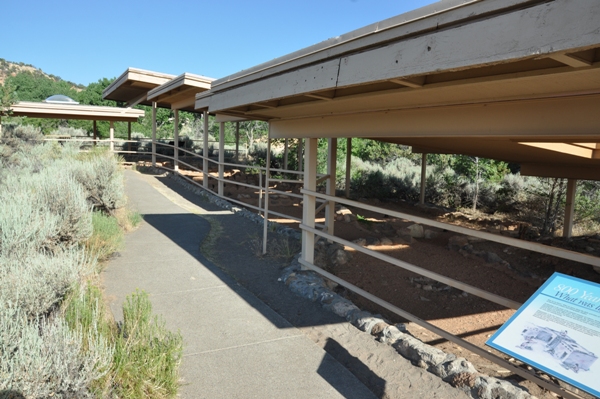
[558, 331]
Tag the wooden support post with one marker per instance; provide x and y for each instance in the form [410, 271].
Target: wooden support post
[309, 201]
[237, 141]
[260, 192]
[331, 171]
[153, 133]
[221, 156]
[285, 154]
[348, 164]
[112, 136]
[300, 158]
[267, 177]
[205, 151]
[569, 208]
[423, 177]
[176, 141]
[128, 136]
[95, 133]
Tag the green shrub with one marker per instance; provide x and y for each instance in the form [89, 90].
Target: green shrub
[23, 228]
[147, 355]
[35, 282]
[107, 236]
[16, 135]
[102, 179]
[47, 194]
[84, 310]
[43, 210]
[134, 218]
[45, 358]
[69, 131]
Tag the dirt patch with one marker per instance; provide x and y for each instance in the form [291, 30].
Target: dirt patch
[510, 272]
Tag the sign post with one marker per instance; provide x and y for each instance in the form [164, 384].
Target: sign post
[558, 331]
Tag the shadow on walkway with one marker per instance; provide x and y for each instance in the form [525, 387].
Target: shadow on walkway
[232, 348]
[356, 367]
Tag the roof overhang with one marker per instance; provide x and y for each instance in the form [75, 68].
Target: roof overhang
[485, 78]
[179, 93]
[75, 111]
[133, 86]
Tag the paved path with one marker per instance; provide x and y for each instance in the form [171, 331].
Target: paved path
[235, 346]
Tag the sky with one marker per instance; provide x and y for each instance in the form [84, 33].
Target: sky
[83, 41]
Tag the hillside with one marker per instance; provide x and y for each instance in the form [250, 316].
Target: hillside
[9, 68]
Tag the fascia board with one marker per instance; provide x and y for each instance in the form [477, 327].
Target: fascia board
[422, 20]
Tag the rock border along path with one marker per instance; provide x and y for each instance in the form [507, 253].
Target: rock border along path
[375, 363]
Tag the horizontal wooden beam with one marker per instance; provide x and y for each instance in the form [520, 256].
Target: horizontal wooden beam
[560, 171]
[544, 118]
[564, 148]
[229, 118]
[570, 60]
[306, 80]
[509, 303]
[528, 245]
[530, 375]
[512, 36]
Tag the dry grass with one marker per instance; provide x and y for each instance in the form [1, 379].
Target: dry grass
[279, 247]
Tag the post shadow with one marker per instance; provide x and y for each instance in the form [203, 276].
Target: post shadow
[364, 374]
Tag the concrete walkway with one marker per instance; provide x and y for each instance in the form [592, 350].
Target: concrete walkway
[235, 346]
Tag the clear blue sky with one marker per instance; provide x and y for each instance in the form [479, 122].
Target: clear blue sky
[83, 41]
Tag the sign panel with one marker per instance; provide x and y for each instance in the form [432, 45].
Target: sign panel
[558, 331]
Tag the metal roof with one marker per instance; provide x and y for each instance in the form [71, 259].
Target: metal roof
[74, 111]
[133, 85]
[515, 80]
[179, 93]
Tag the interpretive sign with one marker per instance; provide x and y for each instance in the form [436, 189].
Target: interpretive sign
[558, 331]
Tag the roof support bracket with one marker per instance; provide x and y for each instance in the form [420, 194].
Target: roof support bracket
[319, 96]
[571, 60]
[415, 83]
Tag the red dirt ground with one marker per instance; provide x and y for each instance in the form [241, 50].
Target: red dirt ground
[472, 318]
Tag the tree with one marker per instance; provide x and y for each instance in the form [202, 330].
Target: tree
[37, 86]
[8, 97]
[477, 170]
[253, 130]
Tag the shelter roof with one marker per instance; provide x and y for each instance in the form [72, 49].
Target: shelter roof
[75, 111]
[515, 80]
[133, 85]
[179, 93]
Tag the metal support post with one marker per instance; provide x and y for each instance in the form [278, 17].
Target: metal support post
[423, 177]
[95, 133]
[285, 154]
[348, 164]
[309, 201]
[176, 142]
[205, 151]
[570, 208]
[112, 136]
[237, 141]
[154, 134]
[128, 136]
[331, 171]
[267, 177]
[300, 159]
[221, 157]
